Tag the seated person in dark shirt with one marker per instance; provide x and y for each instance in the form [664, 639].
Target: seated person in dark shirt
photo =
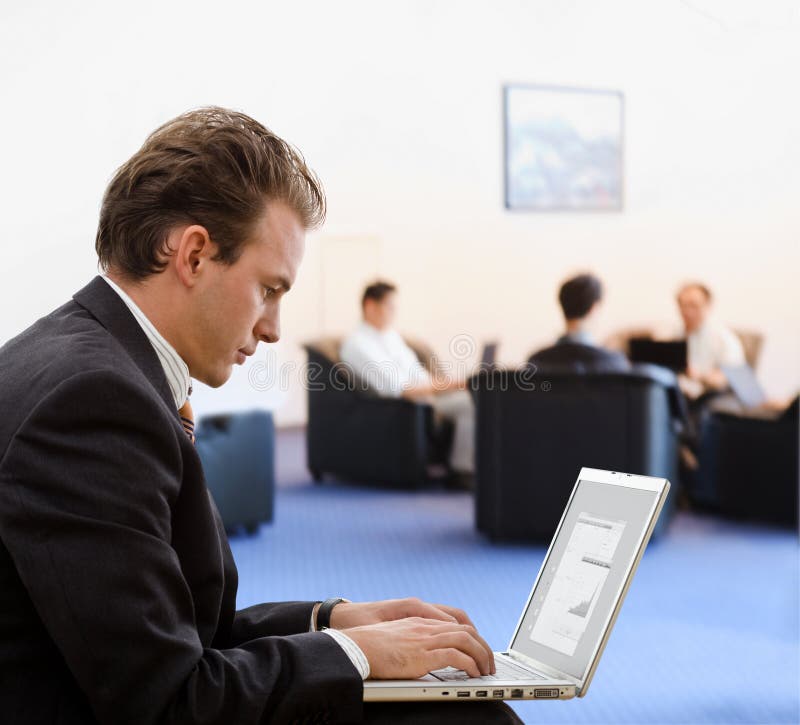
[576, 349]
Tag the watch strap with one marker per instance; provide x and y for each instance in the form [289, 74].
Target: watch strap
[325, 610]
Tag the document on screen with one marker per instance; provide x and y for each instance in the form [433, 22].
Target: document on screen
[577, 583]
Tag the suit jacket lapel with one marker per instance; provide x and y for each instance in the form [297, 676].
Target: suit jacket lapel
[107, 307]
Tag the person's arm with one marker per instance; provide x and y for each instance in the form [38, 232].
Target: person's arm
[424, 390]
[731, 349]
[89, 486]
[266, 620]
[729, 353]
[713, 380]
[400, 636]
[417, 383]
[270, 620]
[380, 375]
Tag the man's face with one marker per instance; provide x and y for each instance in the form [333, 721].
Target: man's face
[381, 314]
[237, 306]
[693, 307]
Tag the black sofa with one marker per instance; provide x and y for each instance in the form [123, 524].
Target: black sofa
[535, 429]
[749, 466]
[354, 434]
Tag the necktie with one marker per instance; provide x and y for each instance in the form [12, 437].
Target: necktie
[187, 419]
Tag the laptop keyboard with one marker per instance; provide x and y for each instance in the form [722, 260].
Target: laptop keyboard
[506, 670]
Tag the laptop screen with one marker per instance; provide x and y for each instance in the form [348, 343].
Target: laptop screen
[670, 354]
[582, 578]
[744, 384]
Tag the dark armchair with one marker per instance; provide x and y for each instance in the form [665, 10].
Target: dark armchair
[238, 456]
[355, 435]
[536, 431]
[749, 466]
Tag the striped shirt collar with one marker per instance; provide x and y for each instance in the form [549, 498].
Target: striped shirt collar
[175, 369]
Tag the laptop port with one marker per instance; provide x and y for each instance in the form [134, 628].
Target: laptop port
[481, 693]
[445, 693]
[498, 693]
[517, 692]
[545, 692]
[463, 693]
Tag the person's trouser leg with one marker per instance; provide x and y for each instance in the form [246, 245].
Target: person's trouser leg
[433, 713]
[459, 408]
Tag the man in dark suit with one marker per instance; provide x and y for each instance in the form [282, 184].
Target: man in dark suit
[117, 585]
[576, 349]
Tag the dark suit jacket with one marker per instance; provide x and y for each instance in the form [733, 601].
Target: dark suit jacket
[580, 358]
[117, 585]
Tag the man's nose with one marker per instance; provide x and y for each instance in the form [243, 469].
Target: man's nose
[268, 330]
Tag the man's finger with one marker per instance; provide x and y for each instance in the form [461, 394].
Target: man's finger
[483, 642]
[487, 648]
[452, 657]
[458, 614]
[417, 608]
[467, 643]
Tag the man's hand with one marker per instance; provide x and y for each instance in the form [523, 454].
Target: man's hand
[410, 648]
[357, 614]
[714, 379]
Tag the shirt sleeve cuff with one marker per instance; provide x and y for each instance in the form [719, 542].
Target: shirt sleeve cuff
[352, 650]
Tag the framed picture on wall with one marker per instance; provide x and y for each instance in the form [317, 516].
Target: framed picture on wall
[563, 148]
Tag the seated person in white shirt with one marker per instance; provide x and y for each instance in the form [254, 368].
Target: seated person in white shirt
[710, 345]
[381, 358]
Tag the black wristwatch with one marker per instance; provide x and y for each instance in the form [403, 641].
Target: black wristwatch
[324, 612]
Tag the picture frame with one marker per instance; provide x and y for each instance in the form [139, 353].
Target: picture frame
[563, 148]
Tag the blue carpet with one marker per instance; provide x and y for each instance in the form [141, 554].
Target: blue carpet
[708, 632]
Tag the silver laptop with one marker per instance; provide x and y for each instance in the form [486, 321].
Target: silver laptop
[744, 385]
[573, 605]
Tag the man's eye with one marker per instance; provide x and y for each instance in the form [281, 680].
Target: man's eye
[269, 292]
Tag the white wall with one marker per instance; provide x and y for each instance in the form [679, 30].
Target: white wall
[398, 109]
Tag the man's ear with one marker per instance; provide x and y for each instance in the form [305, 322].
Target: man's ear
[194, 251]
